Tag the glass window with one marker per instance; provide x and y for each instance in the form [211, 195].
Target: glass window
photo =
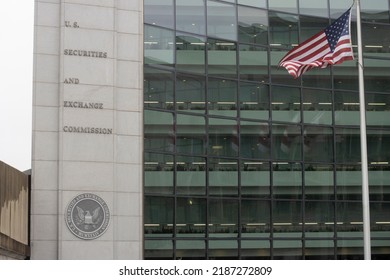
[319, 219]
[284, 5]
[158, 250]
[377, 109]
[253, 3]
[191, 16]
[255, 249]
[338, 7]
[318, 8]
[252, 26]
[190, 53]
[222, 58]
[376, 73]
[223, 177]
[190, 175]
[317, 106]
[349, 182]
[318, 144]
[311, 26]
[255, 140]
[286, 104]
[254, 101]
[255, 218]
[223, 137]
[253, 63]
[346, 108]
[349, 219]
[255, 179]
[190, 134]
[286, 142]
[158, 130]
[222, 97]
[190, 249]
[287, 219]
[376, 11]
[221, 20]
[158, 88]
[347, 145]
[223, 218]
[379, 217]
[158, 173]
[283, 29]
[159, 12]
[319, 181]
[190, 93]
[287, 180]
[378, 145]
[158, 46]
[319, 250]
[191, 217]
[376, 38]
[287, 250]
[158, 216]
[223, 249]
[350, 249]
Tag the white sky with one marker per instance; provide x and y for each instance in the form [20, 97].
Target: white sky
[16, 75]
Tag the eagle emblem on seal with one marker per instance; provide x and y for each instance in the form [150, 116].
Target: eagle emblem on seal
[87, 220]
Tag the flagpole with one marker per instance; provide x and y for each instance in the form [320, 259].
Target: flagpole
[363, 142]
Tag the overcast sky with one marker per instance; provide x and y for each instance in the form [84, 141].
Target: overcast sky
[16, 60]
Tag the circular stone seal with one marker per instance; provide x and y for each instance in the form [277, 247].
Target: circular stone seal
[87, 216]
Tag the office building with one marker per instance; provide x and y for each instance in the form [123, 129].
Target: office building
[164, 129]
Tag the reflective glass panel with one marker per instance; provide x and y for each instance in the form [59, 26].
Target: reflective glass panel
[319, 181]
[287, 180]
[319, 250]
[255, 140]
[159, 12]
[190, 93]
[223, 177]
[317, 106]
[287, 219]
[253, 63]
[159, 131]
[158, 46]
[190, 134]
[318, 8]
[158, 88]
[191, 16]
[377, 109]
[283, 29]
[223, 249]
[255, 249]
[349, 219]
[190, 249]
[252, 26]
[318, 144]
[221, 20]
[223, 218]
[286, 104]
[222, 97]
[349, 182]
[223, 137]
[158, 173]
[158, 250]
[255, 219]
[286, 142]
[254, 101]
[158, 216]
[376, 11]
[287, 250]
[284, 5]
[255, 178]
[191, 217]
[347, 145]
[319, 219]
[190, 175]
[376, 73]
[347, 108]
[253, 3]
[222, 58]
[190, 53]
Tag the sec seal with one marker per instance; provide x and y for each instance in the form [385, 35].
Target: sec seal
[87, 216]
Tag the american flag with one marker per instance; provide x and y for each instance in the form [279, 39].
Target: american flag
[328, 47]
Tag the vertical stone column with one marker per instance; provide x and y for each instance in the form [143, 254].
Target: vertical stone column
[97, 201]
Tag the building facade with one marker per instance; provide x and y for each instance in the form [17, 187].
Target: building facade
[174, 118]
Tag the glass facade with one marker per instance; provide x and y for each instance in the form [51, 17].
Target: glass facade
[241, 161]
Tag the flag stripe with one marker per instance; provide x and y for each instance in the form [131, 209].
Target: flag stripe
[328, 47]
